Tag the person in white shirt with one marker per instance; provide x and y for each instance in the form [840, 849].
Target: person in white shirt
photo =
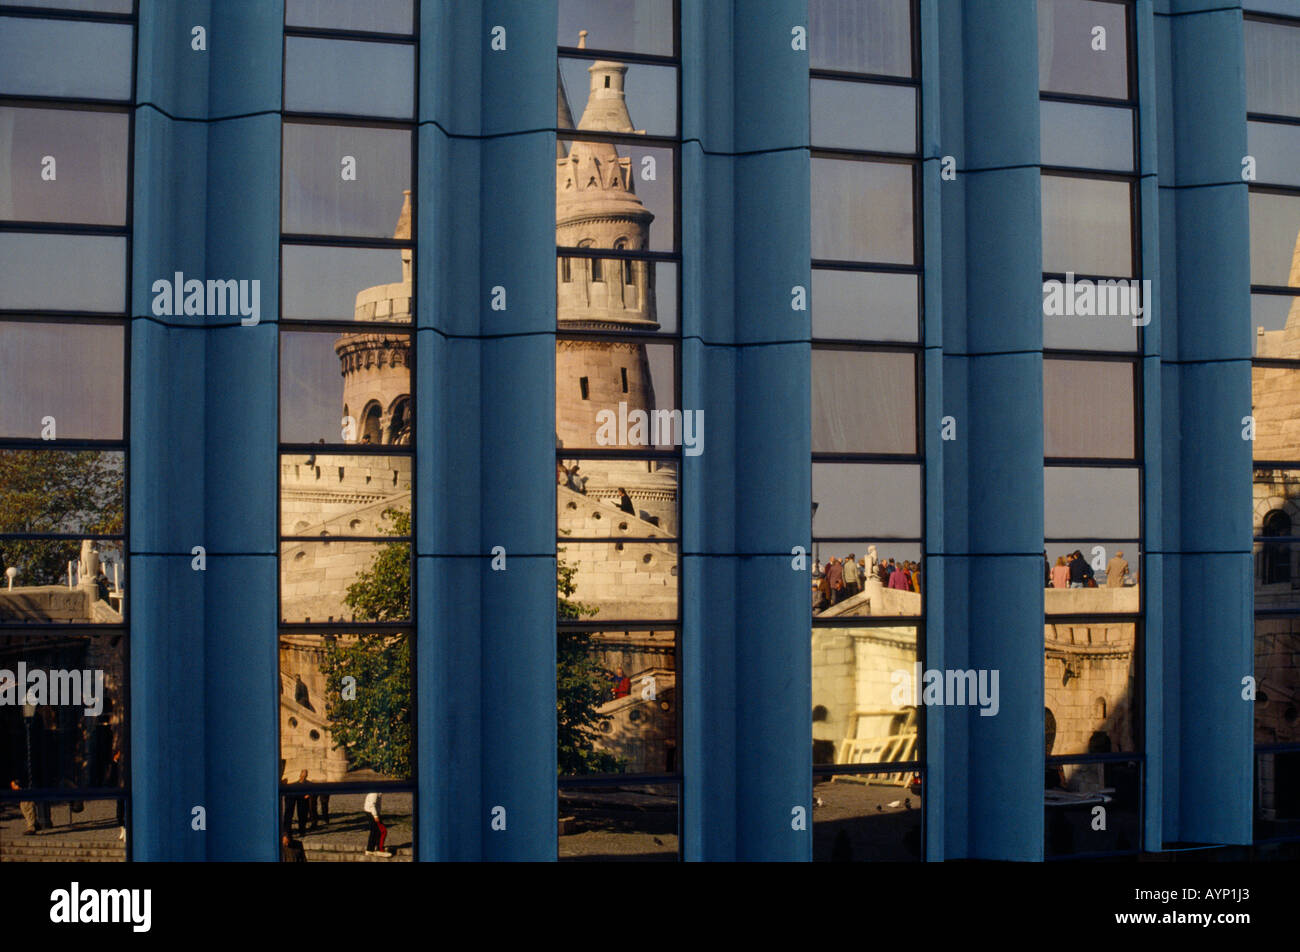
[378, 832]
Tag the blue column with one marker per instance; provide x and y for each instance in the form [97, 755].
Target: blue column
[1206, 745]
[746, 498]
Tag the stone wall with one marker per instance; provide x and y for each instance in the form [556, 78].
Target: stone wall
[851, 671]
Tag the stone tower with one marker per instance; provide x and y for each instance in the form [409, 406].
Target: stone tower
[596, 205]
[376, 383]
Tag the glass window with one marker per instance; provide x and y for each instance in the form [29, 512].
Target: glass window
[1091, 502]
[1274, 238]
[645, 299]
[72, 492]
[1072, 566]
[348, 581]
[348, 76]
[868, 816]
[866, 500]
[375, 16]
[344, 180]
[635, 26]
[65, 58]
[1086, 137]
[352, 387]
[619, 823]
[862, 211]
[871, 117]
[325, 283]
[863, 401]
[1088, 408]
[1275, 393]
[1274, 146]
[62, 272]
[1277, 794]
[86, 6]
[63, 830]
[617, 697]
[619, 580]
[343, 494]
[1089, 675]
[341, 730]
[866, 700]
[861, 305]
[862, 578]
[1071, 796]
[1272, 64]
[86, 153]
[1087, 226]
[1083, 48]
[607, 192]
[1277, 703]
[620, 394]
[860, 37]
[1270, 314]
[61, 379]
[335, 827]
[623, 498]
[597, 97]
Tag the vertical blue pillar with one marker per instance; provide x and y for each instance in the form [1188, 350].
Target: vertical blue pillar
[746, 498]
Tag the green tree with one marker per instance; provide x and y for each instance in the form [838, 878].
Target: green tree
[53, 491]
[383, 591]
[372, 723]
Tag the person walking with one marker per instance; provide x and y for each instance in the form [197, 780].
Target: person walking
[378, 832]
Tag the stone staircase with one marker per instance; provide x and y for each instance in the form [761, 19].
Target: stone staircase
[36, 849]
[323, 853]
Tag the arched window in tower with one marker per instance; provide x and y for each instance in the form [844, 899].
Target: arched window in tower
[626, 263]
[399, 422]
[597, 272]
[1275, 560]
[566, 270]
[371, 427]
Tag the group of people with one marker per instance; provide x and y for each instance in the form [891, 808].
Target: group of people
[36, 813]
[314, 808]
[842, 578]
[1074, 571]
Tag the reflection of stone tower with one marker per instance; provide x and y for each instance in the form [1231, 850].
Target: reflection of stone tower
[596, 206]
[376, 383]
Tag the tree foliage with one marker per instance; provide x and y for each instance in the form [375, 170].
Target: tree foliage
[53, 491]
[371, 724]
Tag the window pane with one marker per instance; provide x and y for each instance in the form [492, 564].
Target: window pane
[1072, 794]
[1272, 65]
[615, 294]
[1111, 307]
[865, 697]
[74, 492]
[864, 305]
[620, 394]
[89, 6]
[619, 580]
[69, 372]
[1277, 712]
[1088, 408]
[603, 98]
[861, 578]
[1067, 59]
[342, 284]
[375, 16]
[616, 498]
[862, 211]
[608, 195]
[70, 831]
[1090, 503]
[65, 58]
[334, 738]
[346, 581]
[861, 37]
[608, 824]
[637, 26]
[868, 116]
[347, 76]
[868, 817]
[1274, 146]
[90, 153]
[1089, 673]
[1274, 238]
[1073, 565]
[617, 702]
[77, 713]
[1086, 137]
[1276, 522]
[337, 828]
[863, 402]
[866, 500]
[1275, 404]
[1087, 226]
[343, 495]
[316, 197]
[1269, 316]
[62, 272]
[1277, 794]
[352, 388]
